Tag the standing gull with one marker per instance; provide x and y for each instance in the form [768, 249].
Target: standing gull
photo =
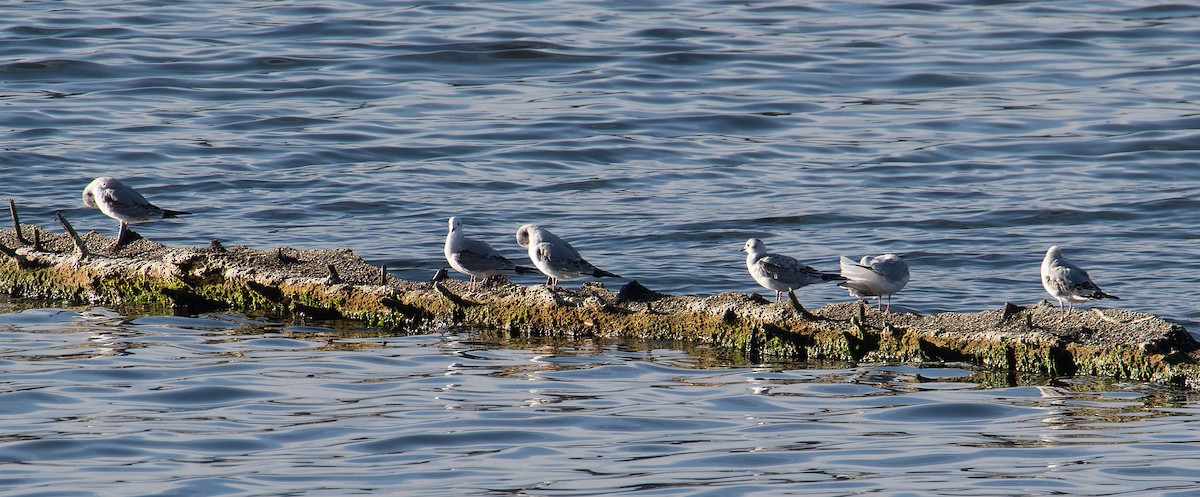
[1067, 283]
[875, 276]
[557, 259]
[118, 201]
[475, 258]
[780, 272]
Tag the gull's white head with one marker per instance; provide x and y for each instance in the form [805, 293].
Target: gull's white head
[1054, 254]
[454, 240]
[527, 234]
[93, 189]
[754, 246]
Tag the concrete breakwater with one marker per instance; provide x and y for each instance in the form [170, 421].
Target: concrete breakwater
[327, 284]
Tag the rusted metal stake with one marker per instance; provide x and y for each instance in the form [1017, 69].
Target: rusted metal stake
[12, 208]
[284, 258]
[13, 255]
[799, 308]
[80, 248]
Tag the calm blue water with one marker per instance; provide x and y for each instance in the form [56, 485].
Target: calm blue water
[657, 137]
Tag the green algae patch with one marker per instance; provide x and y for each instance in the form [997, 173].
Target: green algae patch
[337, 284]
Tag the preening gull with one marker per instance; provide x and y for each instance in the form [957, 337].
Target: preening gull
[118, 201]
[1067, 283]
[875, 277]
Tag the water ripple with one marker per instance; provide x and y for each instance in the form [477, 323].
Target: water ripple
[233, 405]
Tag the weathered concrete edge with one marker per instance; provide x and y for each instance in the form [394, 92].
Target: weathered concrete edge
[761, 331]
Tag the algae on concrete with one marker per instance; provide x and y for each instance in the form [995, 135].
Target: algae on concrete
[333, 284]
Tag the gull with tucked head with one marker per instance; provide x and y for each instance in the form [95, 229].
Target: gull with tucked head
[1067, 283]
[120, 202]
[875, 276]
[555, 258]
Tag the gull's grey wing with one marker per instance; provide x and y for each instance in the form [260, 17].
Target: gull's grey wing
[788, 270]
[563, 257]
[1075, 275]
[1078, 282]
[891, 267]
[560, 249]
[478, 255]
[1069, 280]
[127, 202]
[561, 253]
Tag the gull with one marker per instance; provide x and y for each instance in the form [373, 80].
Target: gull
[118, 201]
[475, 258]
[780, 272]
[1067, 283]
[875, 276]
[555, 258]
